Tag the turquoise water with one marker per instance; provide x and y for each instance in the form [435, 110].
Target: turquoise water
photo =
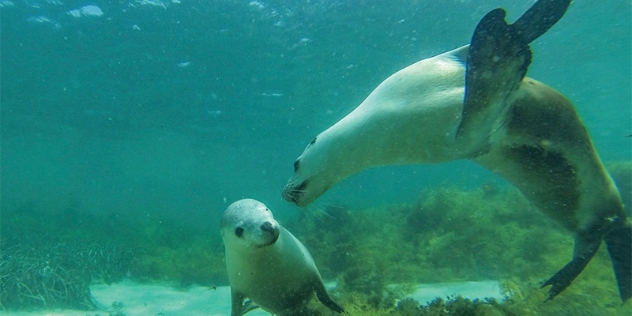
[159, 107]
[152, 108]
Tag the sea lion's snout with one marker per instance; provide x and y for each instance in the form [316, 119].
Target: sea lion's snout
[269, 234]
[292, 193]
[271, 231]
[267, 227]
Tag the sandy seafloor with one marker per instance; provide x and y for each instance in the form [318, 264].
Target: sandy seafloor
[161, 300]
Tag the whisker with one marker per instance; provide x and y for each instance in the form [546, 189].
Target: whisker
[319, 209]
[309, 176]
[316, 211]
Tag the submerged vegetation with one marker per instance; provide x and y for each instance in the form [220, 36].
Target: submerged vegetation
[452, 235]
[49, 260]
[377, 256]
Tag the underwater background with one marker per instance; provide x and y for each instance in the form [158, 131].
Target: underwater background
[127, 127]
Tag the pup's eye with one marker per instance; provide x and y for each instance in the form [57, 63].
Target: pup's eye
[313, 141]
[239, 232]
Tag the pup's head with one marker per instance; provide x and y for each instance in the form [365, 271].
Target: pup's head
[249, 223]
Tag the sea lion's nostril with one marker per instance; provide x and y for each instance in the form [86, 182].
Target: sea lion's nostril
[267, 227]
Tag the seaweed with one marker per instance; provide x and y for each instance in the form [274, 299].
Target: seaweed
[179, 254]
[49, 260]
[57, 274]
[448, 235]
[377, 256]
[46, 262]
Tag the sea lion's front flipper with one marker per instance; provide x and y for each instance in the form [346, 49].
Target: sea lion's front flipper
[238, 307]
[585, 249]
[323, 297]
[497, 62]
[540, 18]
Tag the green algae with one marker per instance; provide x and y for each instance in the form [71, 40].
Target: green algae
[448, 235]
[49, 260]
[178, 253]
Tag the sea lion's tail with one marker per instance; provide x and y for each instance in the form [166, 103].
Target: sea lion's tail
[619, 243]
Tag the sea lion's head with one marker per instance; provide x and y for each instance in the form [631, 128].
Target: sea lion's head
[249, 223]
[355, 143]
[325, 162]
[409, 118]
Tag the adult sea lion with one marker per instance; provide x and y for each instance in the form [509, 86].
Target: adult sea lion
[267, 264]
[476, 103]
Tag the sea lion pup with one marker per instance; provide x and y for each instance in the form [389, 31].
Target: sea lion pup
[267, 264]
[476, 103]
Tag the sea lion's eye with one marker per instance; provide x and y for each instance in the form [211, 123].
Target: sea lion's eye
[239, 232]
[296, 163]
[313, 141]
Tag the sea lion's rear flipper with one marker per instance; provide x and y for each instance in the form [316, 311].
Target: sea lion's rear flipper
[585, 248]
[323, 297]
[540, 18]
[497, 61]
[619, 243]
